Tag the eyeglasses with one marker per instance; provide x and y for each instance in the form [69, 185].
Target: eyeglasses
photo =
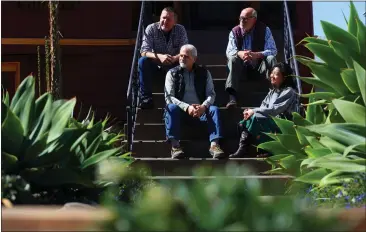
[245, 18]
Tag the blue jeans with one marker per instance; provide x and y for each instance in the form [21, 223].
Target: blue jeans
[148, 68]
[174, 116]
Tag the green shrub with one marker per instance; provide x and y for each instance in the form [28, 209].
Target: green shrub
[219, 204]
[348, 195]
[328, 146]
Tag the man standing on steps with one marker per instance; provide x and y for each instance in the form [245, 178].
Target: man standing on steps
[160, 52]
[189, 95]
[251, 51]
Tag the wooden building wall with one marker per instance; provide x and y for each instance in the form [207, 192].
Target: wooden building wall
[97, 75]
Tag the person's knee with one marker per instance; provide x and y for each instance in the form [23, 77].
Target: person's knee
[143, 61]
[214, 109]
[172, 108]
[233, 59]
[271, 60]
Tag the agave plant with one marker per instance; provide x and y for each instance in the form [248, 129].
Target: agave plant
[328, 146]
[44, 144]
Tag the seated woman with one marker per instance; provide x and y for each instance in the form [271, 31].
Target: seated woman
[280, 102]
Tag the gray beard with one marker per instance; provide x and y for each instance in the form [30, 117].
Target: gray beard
[182, 65]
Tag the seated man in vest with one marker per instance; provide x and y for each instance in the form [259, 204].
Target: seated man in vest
[189, 95]
[160, 52]
[251, 51]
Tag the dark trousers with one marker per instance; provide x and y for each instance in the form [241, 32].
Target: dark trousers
[148, 70]
[238, 69]
[174, 116]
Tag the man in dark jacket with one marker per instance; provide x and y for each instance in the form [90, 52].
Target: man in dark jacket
[189, 95]
[251, 50]
[159, 52]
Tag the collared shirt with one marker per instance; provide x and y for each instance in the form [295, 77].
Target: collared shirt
[190, 96]
[270, 48]
[277, 102]
[154, 40]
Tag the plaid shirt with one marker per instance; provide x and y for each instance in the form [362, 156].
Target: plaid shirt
[154, 40]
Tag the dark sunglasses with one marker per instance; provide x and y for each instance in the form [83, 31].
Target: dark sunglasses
[245, 19]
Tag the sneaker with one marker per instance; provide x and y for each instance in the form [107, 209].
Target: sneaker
[177, 153]
[147, 103]
[217, 152]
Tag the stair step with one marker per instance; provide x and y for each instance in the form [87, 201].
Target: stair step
[253, 99]
[211, 58]
[209, 41]
[227, 116]
[250, 85]
[157, 132]
[193, 148]
[186, 167]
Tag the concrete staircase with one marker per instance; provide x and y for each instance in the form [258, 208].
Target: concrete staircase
[150, 148]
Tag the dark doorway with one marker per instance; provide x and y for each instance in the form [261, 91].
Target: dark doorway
[212, 15]
[207, 15]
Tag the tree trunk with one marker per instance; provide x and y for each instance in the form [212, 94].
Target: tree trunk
[55, 63]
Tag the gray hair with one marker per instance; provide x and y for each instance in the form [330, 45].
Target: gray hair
[254, 14]
[192, 49]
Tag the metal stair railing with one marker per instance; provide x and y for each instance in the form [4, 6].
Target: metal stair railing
[289, 50]
[133, 84]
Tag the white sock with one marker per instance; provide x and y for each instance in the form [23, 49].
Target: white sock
[214, 142]
[174, 142]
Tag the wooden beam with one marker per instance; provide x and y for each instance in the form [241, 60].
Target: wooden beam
[12, 67]
[69, 42]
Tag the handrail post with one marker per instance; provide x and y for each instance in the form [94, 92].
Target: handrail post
[132, 91]
[290, 35]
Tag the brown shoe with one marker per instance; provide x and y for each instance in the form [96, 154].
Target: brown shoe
[217, 152]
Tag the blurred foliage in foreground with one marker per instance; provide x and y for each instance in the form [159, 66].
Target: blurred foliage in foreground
[222, 203]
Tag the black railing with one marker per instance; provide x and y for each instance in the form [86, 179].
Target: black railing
[289, 49]
[133, 84]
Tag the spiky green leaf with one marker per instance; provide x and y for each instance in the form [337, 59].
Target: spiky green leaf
[11, 132]
[333, 32]
[60, 119]
[361, 79]
[313, 177]
[351, 112]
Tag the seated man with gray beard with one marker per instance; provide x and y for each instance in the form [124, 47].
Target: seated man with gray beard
[189, 95]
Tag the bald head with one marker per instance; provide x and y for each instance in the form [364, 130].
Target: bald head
[248, 18]
[249, 11]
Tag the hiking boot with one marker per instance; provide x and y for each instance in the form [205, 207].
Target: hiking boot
[147, 103]
[177, 153]
[217, 152]
[232, 102]
[243, 146]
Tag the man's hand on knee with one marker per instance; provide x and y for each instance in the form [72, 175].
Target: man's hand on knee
[245, 55]
[200, 109]
[191, 110]
[166, 59]
[256, 55]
